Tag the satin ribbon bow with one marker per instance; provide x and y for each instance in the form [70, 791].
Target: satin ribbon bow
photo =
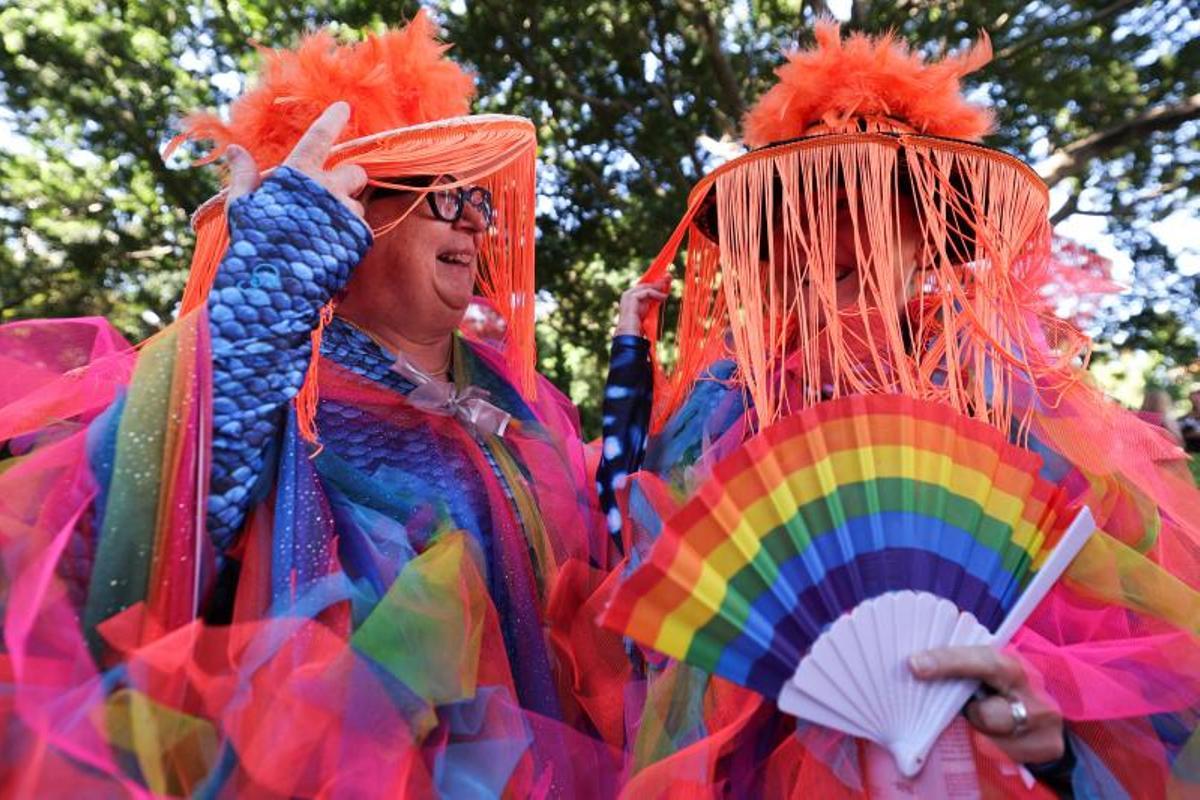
[470, 406]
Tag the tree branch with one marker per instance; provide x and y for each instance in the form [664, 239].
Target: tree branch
[1036, 38]
[1068, 208]
[179, 188]
[860, 13]
[731, 93]
[551, 78]
[820, 8]
[1073, 158]
[671, 92]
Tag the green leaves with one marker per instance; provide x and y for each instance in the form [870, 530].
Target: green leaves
[94, 221]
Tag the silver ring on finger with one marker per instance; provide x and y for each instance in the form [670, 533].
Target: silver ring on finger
[1020, 715]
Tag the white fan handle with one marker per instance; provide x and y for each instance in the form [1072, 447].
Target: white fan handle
[1056, 563]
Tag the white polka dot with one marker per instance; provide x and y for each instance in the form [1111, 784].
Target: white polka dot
[614, 520]
[612, 447]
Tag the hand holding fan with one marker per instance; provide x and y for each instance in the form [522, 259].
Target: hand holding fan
[835, 544]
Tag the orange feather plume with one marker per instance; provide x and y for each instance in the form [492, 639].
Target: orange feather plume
[391, 80]
[872, 83]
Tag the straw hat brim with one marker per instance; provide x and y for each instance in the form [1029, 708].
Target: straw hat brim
[494, 139]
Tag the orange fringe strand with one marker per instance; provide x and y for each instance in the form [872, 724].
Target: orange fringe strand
[962, 332]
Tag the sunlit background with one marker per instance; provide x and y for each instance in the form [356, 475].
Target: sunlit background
[633, 101]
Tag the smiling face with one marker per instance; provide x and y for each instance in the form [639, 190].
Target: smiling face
[421, 273]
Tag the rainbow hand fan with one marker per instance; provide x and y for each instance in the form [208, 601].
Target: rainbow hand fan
[833, 545]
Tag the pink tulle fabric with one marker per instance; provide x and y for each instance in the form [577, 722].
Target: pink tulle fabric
[58, 371]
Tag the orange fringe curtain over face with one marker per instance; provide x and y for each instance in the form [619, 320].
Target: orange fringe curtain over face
[957, 329]
[496, 153]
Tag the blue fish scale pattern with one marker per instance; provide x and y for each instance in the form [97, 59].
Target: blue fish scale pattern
[356, 351]
[370, 445]
[431, 467]
[292, 247]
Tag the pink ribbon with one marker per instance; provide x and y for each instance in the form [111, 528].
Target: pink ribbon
[470, 406]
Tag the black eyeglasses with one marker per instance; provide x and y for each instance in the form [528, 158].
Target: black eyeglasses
[448, 204]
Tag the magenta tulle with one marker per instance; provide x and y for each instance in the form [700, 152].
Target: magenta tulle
[338, 687]
[58, 371]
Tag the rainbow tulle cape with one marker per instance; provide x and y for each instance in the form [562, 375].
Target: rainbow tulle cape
[353, 644]
[1116, 645]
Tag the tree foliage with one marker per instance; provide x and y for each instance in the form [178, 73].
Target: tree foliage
[1103, 94]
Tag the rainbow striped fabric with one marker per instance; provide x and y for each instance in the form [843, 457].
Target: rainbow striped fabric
[843, 502]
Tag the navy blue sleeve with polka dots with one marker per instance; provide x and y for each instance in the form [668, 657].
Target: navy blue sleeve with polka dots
[627, 398]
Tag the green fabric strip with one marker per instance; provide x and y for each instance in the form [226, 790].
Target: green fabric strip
[125, 550]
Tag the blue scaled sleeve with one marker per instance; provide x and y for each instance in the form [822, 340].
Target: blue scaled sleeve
[628, 395]
[292, 247]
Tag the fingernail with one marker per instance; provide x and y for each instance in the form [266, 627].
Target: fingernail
[920, 663]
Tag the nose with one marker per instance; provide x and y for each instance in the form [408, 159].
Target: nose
[471, 220]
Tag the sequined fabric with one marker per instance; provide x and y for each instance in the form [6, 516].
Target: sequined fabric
[419, 461]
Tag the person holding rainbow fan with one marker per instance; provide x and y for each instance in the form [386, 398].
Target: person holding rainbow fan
[869, 253]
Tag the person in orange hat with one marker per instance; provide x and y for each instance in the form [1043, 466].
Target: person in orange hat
[313, 540]
[868, 244]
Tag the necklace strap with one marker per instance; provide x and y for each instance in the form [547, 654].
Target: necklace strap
[394, 352]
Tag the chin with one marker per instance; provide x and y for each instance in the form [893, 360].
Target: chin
[456, 296]
[458, 301]
[454, 308]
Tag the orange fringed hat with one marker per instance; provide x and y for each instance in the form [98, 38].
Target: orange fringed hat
[860, 135]
[408, 117]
